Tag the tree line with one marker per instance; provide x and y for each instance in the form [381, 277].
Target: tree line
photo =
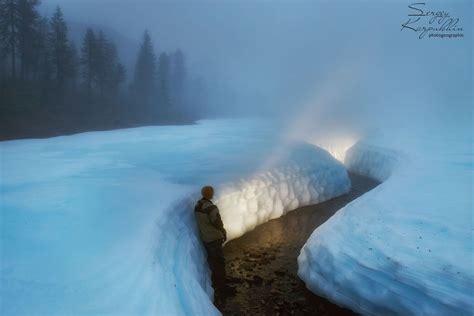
[48, 86]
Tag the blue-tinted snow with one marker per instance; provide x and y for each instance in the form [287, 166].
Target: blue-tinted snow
[406, 247]
[101, 222]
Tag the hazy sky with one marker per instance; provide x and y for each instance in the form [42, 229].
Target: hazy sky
[333, 57]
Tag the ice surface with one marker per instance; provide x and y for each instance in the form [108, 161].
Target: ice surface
[102, 222]
[405, 247]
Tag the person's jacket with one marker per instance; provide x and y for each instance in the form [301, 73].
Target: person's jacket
[209, 221]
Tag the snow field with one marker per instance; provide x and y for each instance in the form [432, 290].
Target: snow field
[103, 222]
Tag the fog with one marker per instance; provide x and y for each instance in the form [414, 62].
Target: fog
[100, 222]
[314, 65]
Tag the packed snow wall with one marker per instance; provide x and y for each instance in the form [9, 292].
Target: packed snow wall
[406, 246]
[304, 175]
[102, 222]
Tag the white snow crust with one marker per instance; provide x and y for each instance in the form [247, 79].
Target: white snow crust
[405, 247]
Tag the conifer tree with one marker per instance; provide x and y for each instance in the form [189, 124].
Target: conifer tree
[114, 70]
[60, 51]
[164, 82]
[41, 62]
[178, 73]
[87, 60]
[27, 24]
[145, 71]
[9, 21]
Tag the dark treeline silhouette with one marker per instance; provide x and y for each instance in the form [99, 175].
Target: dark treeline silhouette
[49, 87]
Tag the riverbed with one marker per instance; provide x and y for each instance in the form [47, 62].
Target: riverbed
[262, 264]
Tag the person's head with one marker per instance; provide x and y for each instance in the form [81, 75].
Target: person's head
[207, 192]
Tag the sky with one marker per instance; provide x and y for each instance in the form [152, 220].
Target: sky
[322, 62]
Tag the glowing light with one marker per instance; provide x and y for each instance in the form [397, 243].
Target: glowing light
[336, 145]
[324, 119]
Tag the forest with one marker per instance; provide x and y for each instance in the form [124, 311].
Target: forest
[50, 85]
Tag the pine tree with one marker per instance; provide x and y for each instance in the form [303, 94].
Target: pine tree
[178, 80]
[164, 82]
[73, 64]
[28, 20]
[114, 70]
[145, 71]
[100, 64]
[42, 69]
[9, 31]
[178, 72]
[41, 61]
[60, 52]
[19, 26]
[120, 75]
[87, 60]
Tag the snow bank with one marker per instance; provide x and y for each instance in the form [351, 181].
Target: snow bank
[109, 240]
[98, 223]
[375, 162]
[405, 247]
[305, 175]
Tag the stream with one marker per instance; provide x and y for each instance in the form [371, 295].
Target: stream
[262, 264]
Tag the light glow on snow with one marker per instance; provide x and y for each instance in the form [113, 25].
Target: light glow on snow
[336, 145]
[321, 119]
[305, 175]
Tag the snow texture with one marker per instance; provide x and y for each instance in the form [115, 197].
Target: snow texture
[405, 247]
[102, 222]
[306, 175]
